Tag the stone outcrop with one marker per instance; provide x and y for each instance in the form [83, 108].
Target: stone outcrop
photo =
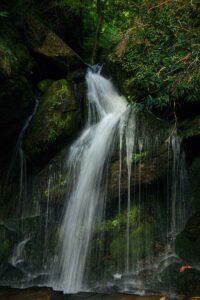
[46, 43]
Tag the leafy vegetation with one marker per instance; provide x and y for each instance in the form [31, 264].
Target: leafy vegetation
[159, 53]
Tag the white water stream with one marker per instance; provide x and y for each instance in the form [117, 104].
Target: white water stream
[110, 119]
[87, 160]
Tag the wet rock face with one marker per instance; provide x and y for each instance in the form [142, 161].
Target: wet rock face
[194, 173]
[26, 249]
[185, 282]
[144, 172]
[188, 242]
[151, 151]
[114, 296]
[48, 294]
[8, 238]
[57, 117]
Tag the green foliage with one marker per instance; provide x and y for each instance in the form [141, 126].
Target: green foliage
[160, 54]
[3, 14]
[141, 234]
[69, 6]
[159, 49]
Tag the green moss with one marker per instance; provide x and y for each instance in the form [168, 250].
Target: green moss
[44, 85]
[156, 51]
[141, 234]
[56, 117]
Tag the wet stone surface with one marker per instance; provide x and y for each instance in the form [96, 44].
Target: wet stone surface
[44, 293]
[37, 293]
[87, 296]
[26, 294]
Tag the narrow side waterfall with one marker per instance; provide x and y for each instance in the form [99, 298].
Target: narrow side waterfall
[18, 166]
[87, 163]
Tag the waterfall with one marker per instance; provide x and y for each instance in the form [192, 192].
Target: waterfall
[109, 207]
[20, 157]
[142, 222]
[17, 256]
[87, 161]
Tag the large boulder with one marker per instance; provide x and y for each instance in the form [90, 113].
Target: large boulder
[56, 119]
[46, 43]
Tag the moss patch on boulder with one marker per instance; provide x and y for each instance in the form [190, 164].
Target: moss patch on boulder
[57, 118]
[44, 85]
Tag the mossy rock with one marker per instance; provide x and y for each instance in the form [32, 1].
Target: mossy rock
[111, 235]
[44, 85]
[48, 44]
[52, 183]
[56, 119]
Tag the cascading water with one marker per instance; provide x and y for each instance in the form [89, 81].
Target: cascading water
[19, 156]
[87, 162]
[125, 181]
[139, 245]
[17, 256]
